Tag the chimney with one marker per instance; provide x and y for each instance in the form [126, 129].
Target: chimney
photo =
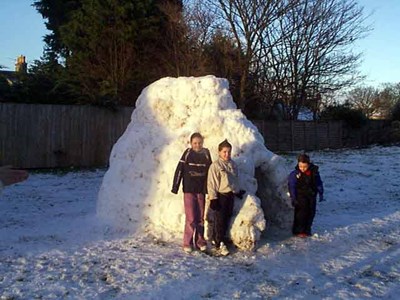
[21, 66]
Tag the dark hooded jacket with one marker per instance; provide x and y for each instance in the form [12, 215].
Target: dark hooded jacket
[307, 184]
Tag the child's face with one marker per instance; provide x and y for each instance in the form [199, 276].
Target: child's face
[197, 144]
[303, 166]
[225, 153]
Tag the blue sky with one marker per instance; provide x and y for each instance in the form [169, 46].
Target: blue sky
[381, 48]
[22, 30]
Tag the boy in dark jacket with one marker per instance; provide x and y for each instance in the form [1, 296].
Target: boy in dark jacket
[192, 169]
[304, 185]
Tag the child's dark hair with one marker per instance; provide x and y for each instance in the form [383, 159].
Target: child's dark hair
[303, 158]
[196, 135]
[224, 144]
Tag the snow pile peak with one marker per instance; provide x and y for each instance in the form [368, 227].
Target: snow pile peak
[135, 192]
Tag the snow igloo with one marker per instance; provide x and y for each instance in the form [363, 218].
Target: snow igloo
[135, 194]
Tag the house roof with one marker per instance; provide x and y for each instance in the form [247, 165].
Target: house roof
[10, 76]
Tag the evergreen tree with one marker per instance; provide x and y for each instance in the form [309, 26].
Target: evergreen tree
[57, 13]
[109, 48]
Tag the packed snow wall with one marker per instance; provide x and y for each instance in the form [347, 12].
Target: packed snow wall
[135, 194]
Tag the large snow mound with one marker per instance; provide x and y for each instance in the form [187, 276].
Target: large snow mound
[135, 192]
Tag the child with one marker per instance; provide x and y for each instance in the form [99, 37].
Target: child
[192, 168]
[304, 185]
[222, 184]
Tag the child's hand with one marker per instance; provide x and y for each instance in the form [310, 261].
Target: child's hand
[214, 204]
[321, 198]
[174, 191]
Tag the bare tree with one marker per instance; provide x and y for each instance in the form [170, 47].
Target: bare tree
[190, 28]
[389, 96]
[307, 52]
[294, 51]
[248, 20]
[365, 99]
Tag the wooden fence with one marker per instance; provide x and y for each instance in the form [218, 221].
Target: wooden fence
[48, 136]
[375, 131]
[301, 135]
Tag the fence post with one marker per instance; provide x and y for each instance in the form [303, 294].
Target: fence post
[316, 141]
[329, 134]
[278, 135]
[341, 134]
[292, 135]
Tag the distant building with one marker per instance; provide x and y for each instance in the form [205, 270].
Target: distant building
[20, 67]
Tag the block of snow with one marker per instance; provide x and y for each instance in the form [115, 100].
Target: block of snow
[135, 192]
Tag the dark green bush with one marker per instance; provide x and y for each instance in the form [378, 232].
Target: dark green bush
[353, 117]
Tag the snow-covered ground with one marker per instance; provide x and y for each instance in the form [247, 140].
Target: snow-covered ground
[52, 247]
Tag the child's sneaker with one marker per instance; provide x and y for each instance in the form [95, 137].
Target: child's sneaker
[203, 248]
[302, 235]
[223, 250]
[187, 249]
